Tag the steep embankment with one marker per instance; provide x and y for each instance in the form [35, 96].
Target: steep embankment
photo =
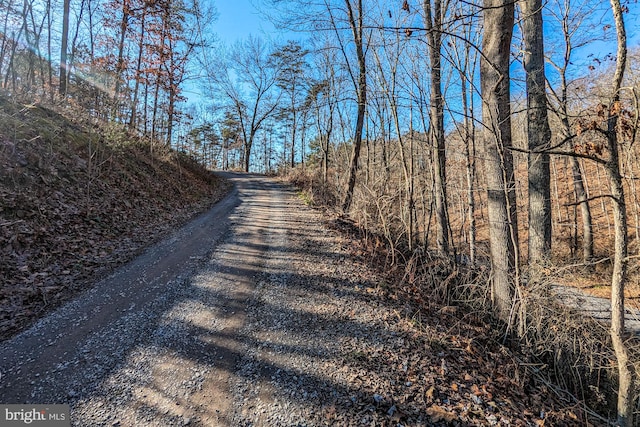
[78, 200]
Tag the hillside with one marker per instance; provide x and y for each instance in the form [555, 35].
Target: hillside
[77, 200]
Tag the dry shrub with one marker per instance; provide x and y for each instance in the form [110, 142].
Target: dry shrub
[556, 344]
[375, 207]
[313, 190]
[565, 346]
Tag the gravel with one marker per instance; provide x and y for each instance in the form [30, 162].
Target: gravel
[273, 323]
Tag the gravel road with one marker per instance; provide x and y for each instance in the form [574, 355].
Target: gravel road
[222, 323]
[158, 341]
[255, 314]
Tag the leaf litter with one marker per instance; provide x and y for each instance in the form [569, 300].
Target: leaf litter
[74, 205]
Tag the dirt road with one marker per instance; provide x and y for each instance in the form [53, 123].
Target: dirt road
[159, 332]
[258, 314]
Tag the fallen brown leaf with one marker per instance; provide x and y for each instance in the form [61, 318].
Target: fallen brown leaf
[438, 413]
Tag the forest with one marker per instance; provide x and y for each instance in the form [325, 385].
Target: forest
[487, 148]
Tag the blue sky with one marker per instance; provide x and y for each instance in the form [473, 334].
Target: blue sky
[239, 18]
[236, 20]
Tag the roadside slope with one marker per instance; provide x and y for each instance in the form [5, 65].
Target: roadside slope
[77, 200]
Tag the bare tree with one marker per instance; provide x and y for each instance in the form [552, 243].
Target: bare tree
[464, 58]
[128, 9]
[388, 60]
[355, 18]
[569, 17]
[250, 89]
[496, 114]
[7, 41]
[323, 100]
[538, 134]
[346, 20]
[433, 20]
[63, 48]
[138, 71]
[625, 366]
[606, 124]
[291, 80]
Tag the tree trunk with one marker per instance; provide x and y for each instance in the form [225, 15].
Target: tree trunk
[52, 90]
[578, 177]
[247, 152]
[134, 104]
[357, 30]
[74, 41]
[170, 113]
[29, 76]
[63, 49]
[5, 40]
[433, 24]
[120, 64]
[325, 148]
[11, 71]
[171, 82]
[294, 126]
[618, 280]
[626, 377]
[585, 210]
[538, 134]
[154, 114]
[145, 111]
[470, 154]
[496, 114]
[92, 44]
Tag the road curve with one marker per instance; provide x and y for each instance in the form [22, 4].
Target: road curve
[164, 324]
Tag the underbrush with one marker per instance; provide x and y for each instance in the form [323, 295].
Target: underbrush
[313, 191]
[555, 344]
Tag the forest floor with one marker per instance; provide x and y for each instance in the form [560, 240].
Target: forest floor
[78, 200]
